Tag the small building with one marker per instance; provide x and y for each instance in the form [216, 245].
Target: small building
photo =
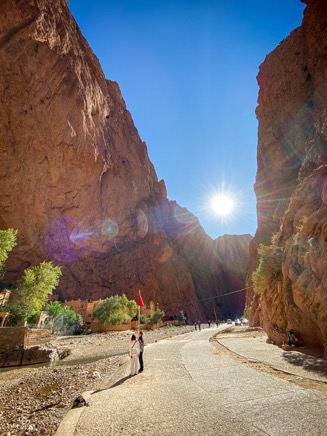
[84, 308]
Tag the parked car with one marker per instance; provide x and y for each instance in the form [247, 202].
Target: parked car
[244, 321]
[238, 322]
[229, 321]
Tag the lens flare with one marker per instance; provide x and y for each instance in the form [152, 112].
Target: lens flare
[183, 216]
[95, 235]
[142, 224]
[66, 239]
[58, 241]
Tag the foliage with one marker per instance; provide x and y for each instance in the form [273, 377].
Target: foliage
[269, 270]
[18, 312]
[7, 243]
[33, 290]
[170, 326]
[144, 319]
[182, 317]
[115, 310]
[157, 316]
[62, 319]
[131, 307]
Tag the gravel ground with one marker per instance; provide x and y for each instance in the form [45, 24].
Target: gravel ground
[35, 400]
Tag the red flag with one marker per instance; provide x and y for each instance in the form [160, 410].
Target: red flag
[139, 300]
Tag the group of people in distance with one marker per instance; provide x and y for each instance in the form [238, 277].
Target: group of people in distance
[136, 354]
[197, 324]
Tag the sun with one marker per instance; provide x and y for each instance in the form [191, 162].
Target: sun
[222, 204]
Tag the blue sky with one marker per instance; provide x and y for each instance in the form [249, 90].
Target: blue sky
[187, 71]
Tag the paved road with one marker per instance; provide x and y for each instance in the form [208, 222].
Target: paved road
[187, 388]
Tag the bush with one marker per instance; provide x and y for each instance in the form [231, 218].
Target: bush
[62, 319]
[181, 317]
[115, 310]
[269, 270]
[157, 316]
[144, 319]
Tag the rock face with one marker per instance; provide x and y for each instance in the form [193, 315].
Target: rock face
[76, 179]
[291, 184]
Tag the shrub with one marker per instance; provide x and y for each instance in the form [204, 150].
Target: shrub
[182, 317]
[269, 270]
[157, 316]
[62, 319]
[144, 319]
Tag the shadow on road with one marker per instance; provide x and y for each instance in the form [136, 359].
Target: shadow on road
[306, 361]
[119, 382]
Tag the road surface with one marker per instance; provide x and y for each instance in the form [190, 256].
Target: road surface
[187, 387]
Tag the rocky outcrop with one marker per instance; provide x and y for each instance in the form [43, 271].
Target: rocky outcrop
[290, 185]
[76, 179]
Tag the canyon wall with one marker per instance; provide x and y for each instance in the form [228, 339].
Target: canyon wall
[77, 182]
[291, 287]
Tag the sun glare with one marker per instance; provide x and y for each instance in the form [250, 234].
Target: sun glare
[222, 204]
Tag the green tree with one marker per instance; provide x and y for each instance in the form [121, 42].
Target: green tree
[131, 307]
[61, 319]
[182, 317]
[7, 243]
[157, 316]
[33, 290]
[115, 310]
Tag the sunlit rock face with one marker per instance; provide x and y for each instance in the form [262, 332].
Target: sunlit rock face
[76, 179]
[291, 182]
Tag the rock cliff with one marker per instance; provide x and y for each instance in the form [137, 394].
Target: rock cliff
[77, 182]
[290, 185]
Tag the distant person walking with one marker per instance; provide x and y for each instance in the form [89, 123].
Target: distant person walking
[195, 325]
[134, 352]
[141, 345]
[199, 325]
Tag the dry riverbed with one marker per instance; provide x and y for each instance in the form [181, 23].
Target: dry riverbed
[35, 400]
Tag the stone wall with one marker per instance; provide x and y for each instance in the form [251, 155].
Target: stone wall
[20, 346]
[96, 327]
[12, 338]
[37, 337]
